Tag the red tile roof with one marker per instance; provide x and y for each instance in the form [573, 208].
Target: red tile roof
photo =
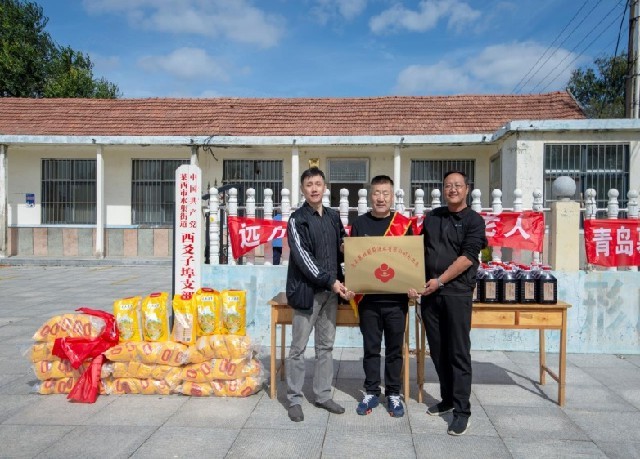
[393, 115]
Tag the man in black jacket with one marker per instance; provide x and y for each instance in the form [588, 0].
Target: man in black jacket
[315, 235]
[453, 238]
[382, 313]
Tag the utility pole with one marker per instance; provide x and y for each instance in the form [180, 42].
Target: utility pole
[632, 92]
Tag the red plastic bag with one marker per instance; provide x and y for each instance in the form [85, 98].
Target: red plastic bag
[87, 388]
[77, 350]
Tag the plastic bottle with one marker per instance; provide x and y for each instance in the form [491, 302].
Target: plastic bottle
[547, 287]
[477, 291]
[489, 284]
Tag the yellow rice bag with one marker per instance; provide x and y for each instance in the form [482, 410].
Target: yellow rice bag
[55, 386]
[234, 388]
[70, 325]
[220, 347]
[155, 317]
[42, 351]
[127, 314]
[162, 353]
[184, 319]
[56, 369]
[119, 386]
[208, 309]
[234, 312]
[139, 370]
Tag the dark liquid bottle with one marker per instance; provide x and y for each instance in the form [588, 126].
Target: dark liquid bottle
[477, 289]
[547, 287]
[526, 285]
[489, 287]
[508, 287]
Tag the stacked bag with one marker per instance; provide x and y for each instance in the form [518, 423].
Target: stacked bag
[205, 353]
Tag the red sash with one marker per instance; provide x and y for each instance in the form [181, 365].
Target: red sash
[398, 226]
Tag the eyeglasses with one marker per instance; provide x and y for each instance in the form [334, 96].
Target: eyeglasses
[457, 186]
[383, 194]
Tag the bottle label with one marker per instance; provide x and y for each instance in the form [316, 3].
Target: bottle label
[547, 292]
[510, 292]
[529, 290]
[490, 291]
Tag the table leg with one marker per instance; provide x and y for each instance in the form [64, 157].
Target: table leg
[543, 357]
[563, 359]
[419, 357]
[274, 370]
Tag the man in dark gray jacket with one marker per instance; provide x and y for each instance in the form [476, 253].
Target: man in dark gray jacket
[315, 235]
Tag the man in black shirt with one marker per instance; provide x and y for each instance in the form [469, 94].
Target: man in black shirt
[453, 238]
[382, 313]
[315, 235]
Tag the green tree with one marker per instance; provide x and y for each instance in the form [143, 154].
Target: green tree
[33, 65]
[600, 91]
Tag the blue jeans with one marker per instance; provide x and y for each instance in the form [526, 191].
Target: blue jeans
[322, 318]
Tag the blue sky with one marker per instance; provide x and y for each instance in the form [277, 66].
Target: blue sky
[337, 48]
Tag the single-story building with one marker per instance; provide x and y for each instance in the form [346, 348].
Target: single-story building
[86, 177]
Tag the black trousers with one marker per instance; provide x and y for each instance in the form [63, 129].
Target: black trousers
[376, 319]
[447, 320]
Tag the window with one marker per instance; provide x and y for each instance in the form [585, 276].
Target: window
[495, 171]
[153, 190]
[428, 174]
[69, 191]
[597, 166]
[256, 174]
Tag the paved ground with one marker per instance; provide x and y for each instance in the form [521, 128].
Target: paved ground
[513, 416]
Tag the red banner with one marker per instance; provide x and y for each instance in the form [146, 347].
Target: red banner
[248, 233]
[518, 230]
[612, 242]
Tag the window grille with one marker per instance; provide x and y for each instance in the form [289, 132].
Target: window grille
[68, 191]
[153, 190]
[256, 174]
[348, 171]
[428, 174]
[597, 166]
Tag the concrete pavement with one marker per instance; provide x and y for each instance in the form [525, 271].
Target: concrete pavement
[513, 416]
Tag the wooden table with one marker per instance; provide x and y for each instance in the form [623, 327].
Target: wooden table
[282, 314]
[539, 317]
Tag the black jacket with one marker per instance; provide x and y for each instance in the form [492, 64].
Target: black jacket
[306, 276]
[448, 235]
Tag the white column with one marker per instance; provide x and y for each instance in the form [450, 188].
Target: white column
[100, 204]
[250, 207]
[397, 166]
[633, 212]
[4, 207]
[496, 208]
[268, 215]
[295, 176]
[194, 155]
[613, 208]
[232, 211]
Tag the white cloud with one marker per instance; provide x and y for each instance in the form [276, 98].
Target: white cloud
[186, 64]
[347, 9]
[496, 69]
[440, 78]
[429, 13]
[236, 20]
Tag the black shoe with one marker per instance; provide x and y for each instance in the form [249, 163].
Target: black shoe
[459, 425]
[295, 413]
[439, 409]
[330, 406]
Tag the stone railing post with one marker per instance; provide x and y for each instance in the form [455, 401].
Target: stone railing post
[435, 199]
[285, 209]
[476, 205]
[633, 212]
[326, 198]
[613, 209]
[496, 208]
[251, 213]
[516, 254]
[362, 201]
[214, 227]
[344, 206]
[418, 207]
[232, 211]
[399, 206]
[537, 207]
[564, 241]
[268, 215]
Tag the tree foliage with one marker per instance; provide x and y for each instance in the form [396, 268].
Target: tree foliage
[33, 65]
[600, 91]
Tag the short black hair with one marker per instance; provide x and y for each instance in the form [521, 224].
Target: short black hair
[464, 176]
[381, 179]
[312, 172]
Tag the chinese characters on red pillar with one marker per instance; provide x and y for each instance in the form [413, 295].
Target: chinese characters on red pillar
[612, 242]
[188, 230]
